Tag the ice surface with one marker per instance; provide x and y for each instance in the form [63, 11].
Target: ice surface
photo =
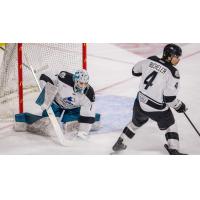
[110, 67]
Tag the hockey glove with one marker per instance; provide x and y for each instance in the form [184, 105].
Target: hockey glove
[180, 107]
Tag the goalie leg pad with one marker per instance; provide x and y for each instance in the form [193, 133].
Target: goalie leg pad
[41, 127]
[33, 123]
[23, 119]
[74, 126]
[70, 126]
[20, 126]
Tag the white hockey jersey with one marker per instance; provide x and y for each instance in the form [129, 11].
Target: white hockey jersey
[68, 99]
[159, 84]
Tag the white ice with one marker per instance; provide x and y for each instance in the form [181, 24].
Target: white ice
[110, 67]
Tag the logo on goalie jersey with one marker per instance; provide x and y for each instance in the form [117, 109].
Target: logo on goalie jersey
[62, 74]
[69, 100]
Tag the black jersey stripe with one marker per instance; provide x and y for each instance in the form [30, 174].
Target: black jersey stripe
[84, 119]
[45, 78]
[136, 74]
[168, 99]
[66, 78]
[89, 92]
[171, 135]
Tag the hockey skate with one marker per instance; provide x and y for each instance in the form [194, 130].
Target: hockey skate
[173, 151]
[119, 146]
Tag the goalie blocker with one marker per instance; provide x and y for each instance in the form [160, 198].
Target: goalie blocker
[72, 100]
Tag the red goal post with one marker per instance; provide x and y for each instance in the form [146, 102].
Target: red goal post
[17, 81]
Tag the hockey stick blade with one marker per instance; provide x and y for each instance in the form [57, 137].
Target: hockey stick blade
[52, 117]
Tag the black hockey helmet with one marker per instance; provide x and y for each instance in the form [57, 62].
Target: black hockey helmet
[171, 50]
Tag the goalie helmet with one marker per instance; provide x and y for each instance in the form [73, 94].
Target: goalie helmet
[171, 50]
[81, 79]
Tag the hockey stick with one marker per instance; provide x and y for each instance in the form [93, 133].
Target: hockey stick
[53, 119]
[191, 123]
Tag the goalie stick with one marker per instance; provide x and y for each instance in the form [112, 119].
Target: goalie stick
[53, 119]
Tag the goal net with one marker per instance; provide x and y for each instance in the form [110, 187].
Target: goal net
[18, 89]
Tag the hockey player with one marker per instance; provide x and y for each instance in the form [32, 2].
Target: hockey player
[72, 100]
[157, 93]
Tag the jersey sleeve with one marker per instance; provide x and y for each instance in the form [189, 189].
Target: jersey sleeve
[171, 90]
[137, 69]
[87, 103]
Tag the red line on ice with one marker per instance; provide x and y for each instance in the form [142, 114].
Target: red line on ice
[192, 54]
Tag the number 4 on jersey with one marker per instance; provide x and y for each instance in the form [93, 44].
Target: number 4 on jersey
[149, 79]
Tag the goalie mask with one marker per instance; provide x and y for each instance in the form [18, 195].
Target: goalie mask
[81, 79]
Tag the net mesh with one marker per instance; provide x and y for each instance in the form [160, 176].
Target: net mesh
[45, 58]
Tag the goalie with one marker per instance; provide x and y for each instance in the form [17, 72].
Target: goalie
[72, 100]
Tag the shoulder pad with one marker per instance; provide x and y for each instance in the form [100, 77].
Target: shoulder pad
[176, 74]
[45, 78]
[154, 58]
[64, 74]
[89, 92]
[172, 69]
[66, 78]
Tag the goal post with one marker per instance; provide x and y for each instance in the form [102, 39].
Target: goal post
[84, 55]
[18, 89]
[20, 77]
